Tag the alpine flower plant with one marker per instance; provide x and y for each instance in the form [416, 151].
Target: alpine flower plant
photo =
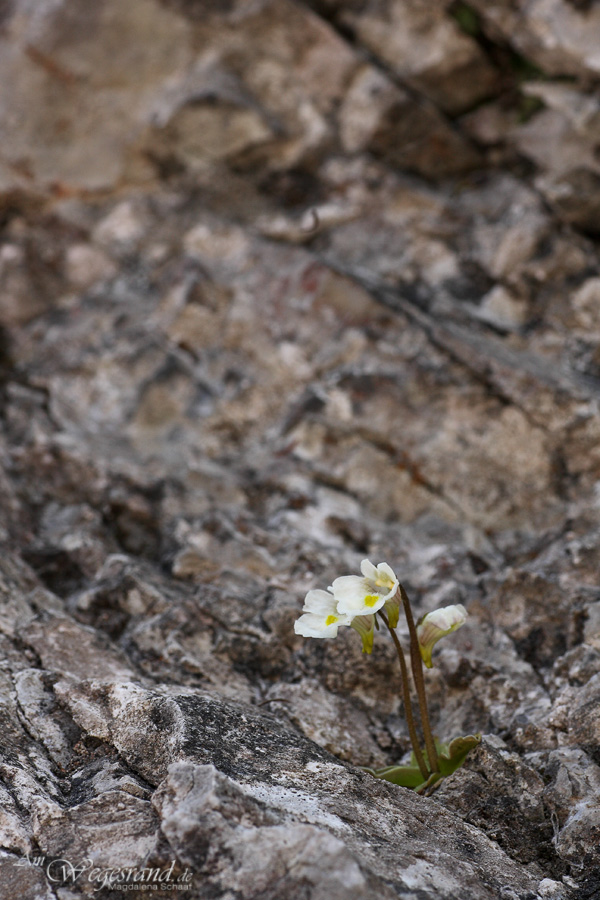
[361, 602]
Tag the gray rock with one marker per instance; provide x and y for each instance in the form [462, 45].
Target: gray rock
[284, 286]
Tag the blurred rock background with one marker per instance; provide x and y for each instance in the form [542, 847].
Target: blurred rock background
[284, 285]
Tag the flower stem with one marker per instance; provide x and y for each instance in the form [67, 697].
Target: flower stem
[410, 721]
[417, 670]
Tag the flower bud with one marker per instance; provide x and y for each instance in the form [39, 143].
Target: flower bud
[435, 625]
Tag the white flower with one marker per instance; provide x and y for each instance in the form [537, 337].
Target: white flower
[358, 596]
[435, 625]
[321, 618]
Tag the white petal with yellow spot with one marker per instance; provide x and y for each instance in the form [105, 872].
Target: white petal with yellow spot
[358, 596]
[321, 618]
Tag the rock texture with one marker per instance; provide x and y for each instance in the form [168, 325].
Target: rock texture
[284, 285]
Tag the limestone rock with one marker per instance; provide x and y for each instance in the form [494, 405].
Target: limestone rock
[285, 285]
[427, 49]
[559, 36]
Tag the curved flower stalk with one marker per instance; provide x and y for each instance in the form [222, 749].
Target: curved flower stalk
[359, 601]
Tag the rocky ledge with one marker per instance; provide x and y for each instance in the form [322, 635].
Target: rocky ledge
[285, 285]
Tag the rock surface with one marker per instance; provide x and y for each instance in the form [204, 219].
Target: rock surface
[284, 285]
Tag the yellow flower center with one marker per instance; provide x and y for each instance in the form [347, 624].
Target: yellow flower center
[330, 620]
[372, 599]
[384, 581]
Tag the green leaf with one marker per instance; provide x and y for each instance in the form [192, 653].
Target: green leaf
[451, 757]
[456, 752]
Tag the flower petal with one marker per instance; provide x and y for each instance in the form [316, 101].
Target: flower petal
[384, 569]
[357, 596]
[368, 569]
[319, 602]
[310, 625]
[382, 577]
[350, 588]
